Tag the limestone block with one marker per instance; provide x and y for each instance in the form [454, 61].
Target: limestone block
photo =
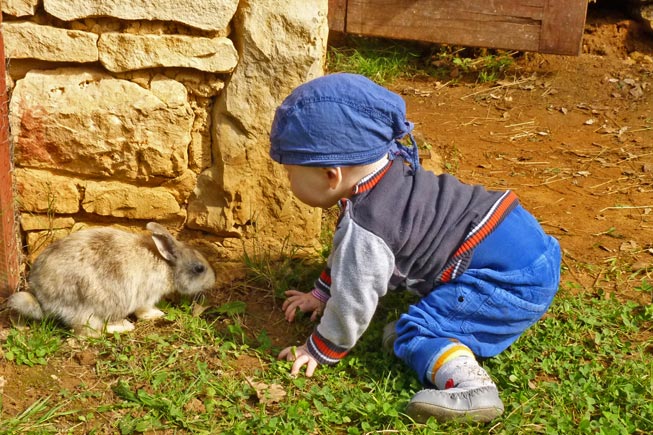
[127, 201]
[88, 122]
[182, 186]
[27, 40]
[42, 192]
[207, 206]
[199, 151]
[19, 8]
[171, 92]
[206, 15]
[33, 222]
[268, 69]
[200, 84]
[120, 52]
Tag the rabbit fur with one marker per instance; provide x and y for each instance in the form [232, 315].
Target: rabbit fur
[93, 279]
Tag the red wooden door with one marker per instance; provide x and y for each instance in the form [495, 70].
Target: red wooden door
[545, 26]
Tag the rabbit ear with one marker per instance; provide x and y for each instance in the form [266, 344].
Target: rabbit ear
[165, 243]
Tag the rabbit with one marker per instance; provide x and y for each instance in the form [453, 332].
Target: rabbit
[93, 279]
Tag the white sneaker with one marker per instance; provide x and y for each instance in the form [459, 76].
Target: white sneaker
[480, 404]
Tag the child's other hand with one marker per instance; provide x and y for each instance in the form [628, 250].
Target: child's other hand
[300, 355]
[306, 302]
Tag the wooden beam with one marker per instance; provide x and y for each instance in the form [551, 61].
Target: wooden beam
[549, 26]
[562, 27]
[337, 15]
[9, 272]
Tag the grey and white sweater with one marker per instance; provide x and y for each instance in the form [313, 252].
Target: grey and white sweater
[400, 228]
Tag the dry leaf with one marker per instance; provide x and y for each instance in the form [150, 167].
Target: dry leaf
[267, 393]
[641, 265]
[195, 406]
[198, 309]
[630, 245]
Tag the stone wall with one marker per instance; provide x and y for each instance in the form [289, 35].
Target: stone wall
[126, 111]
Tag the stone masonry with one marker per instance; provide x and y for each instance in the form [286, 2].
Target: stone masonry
[122, 112]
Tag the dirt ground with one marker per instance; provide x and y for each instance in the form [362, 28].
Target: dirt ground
[572, 136]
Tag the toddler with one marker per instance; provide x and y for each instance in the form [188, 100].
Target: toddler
[483, 267]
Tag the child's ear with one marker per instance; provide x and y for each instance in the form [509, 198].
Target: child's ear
[334, 175]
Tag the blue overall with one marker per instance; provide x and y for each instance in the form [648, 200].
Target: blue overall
[510, 283]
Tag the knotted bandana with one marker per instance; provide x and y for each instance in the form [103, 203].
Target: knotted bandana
[341, 120]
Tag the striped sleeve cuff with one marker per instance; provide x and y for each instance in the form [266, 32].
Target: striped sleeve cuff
[323, 350]
[320, 295]
[323, 283]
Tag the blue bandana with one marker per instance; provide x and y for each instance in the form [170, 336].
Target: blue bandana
[341, 120]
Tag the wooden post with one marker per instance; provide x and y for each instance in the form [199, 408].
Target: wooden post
[9, 273]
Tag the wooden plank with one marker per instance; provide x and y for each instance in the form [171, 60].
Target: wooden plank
[469, 22]
[337, 15]
[548, 26]
[562, 27]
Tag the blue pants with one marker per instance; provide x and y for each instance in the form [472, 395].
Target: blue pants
[510, 283]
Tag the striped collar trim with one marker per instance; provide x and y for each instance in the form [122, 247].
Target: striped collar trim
[372, 180]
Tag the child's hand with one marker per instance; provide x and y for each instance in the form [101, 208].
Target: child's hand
[306, 302]
[301, 357]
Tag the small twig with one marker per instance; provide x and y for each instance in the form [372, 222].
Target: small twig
[606, 182]
[596, 280]
[550, 181]
[487, 118]
[641, 129]
[507, 85]
[516, 162]
[622, 189]
[520, 124]
[443, 85]
[572, 272]
[635, 157]
[625, 207]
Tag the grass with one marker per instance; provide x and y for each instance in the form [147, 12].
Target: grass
[32, 346]
[585, 368]
[384, 60]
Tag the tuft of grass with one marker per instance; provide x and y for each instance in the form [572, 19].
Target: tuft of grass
[32, 345]
[379, 60]
[289, 268]
[384, 60]
[40, 417]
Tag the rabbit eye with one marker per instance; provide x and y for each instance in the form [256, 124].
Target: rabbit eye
[199, 268]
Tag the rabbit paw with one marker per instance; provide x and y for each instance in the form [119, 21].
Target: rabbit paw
[123, 325]
[148, 313]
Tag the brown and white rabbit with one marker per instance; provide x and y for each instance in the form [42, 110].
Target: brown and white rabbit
[93, 279]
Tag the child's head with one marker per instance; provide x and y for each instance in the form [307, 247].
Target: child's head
[340, 120]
